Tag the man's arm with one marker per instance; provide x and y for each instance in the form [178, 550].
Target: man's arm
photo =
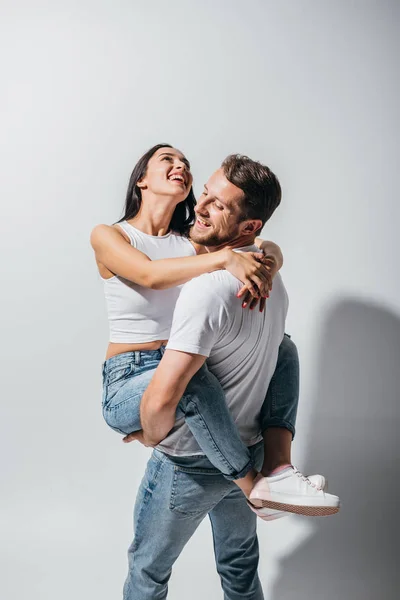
[199, 319]
[159, 402]
[273, 263]
[271, 250]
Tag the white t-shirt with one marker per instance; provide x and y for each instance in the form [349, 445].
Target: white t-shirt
[241, 346]
[137, 314]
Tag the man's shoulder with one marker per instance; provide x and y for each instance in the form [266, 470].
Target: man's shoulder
[218, 283]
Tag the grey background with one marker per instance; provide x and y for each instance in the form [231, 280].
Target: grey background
[312, 89]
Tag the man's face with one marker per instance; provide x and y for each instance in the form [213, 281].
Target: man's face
[218, 213]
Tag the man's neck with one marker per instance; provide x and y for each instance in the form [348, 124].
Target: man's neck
[240, 242]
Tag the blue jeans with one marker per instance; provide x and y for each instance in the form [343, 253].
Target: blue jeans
[174, 497]
[126, 377]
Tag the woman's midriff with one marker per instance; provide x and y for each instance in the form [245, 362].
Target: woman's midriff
[114, 349]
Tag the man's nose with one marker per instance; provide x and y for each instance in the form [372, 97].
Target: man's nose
[201, 205]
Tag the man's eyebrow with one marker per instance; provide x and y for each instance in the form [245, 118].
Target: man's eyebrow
[183, 159]
[216, 198]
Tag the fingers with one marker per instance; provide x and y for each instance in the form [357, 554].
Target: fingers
[262, 272]
[266, 264]
[254, 303]
[263, 285]
[246, 298]
[252, 289]
[131, 437]
[241, 292]
[269, 262]
[251, 302]
[260, 256]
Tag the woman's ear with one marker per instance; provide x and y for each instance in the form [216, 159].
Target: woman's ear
[141, 184]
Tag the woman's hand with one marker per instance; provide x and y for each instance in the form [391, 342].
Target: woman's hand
[248, 299]
[253, 269]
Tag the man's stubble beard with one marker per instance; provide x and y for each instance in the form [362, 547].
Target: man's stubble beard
[213, 239]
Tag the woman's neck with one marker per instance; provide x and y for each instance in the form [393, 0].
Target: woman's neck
[154, 218]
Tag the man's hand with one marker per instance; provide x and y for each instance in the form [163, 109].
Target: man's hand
[138, 436]
[159, 401]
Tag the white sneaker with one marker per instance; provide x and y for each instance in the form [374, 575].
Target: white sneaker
[292, 492]
[270, 514]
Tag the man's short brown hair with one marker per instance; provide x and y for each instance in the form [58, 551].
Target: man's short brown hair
[262, 190]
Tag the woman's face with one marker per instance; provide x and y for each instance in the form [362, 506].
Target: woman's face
[168, 174]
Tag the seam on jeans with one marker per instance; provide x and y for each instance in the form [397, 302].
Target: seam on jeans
[148, 493]
[274, 395]
[232, 471]
[174, 508]
[197, 470]
[116, 429]
[109, 392]
[273, 403]
[126, 369]
[115, 407]
[278, 422]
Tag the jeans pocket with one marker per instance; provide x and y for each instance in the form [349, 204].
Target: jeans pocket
[113, 380]
[196, 491]
[118, 373]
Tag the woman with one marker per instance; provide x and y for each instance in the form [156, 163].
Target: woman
[143, 260]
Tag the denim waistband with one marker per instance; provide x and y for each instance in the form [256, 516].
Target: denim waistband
[137, 357]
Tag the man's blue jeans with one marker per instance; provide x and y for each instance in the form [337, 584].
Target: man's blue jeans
[126, 377]
[174, 497]
[177, 493]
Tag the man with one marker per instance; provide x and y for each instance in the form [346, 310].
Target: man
[180, 486]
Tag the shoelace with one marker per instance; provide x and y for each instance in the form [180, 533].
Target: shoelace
[304, 478]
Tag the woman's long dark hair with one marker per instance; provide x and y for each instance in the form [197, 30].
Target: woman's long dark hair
[183, 216]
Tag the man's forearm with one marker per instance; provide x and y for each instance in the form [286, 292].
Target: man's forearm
[159, 402]
[157, 411]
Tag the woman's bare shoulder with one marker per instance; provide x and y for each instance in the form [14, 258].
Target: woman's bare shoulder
[100, 232]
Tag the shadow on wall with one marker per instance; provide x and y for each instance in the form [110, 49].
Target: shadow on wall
[355, 441]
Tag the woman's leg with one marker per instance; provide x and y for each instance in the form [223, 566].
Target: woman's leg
[279, 411]
[125, 378]
[282, 487]
[207, 415]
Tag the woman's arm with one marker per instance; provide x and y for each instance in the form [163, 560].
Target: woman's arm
[114, 252]
[274, 262]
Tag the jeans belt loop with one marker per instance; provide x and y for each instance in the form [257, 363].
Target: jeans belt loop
[137, 357]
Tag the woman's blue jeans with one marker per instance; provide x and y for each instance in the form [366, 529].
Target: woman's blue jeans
[126, 377]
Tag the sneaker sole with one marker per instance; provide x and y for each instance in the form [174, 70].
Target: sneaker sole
[308, 511]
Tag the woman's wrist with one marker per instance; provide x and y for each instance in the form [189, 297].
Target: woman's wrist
[224, 258]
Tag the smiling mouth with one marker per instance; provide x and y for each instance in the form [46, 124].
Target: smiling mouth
[178, 179]
[202, 224]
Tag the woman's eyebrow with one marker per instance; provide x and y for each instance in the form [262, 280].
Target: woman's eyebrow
[183, 159]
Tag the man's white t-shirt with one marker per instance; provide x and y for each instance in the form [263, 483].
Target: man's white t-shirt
[241, 346]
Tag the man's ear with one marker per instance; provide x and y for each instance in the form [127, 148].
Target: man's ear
[252, 227]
